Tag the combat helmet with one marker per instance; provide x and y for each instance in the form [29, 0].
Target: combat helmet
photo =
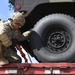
[17, 17]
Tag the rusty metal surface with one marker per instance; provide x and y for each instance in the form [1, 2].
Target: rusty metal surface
[38, 68]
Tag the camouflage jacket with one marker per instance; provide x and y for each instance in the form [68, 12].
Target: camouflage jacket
[6, 34]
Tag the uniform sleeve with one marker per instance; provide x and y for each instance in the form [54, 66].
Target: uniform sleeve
[5, 40]
[4, 37]
[19, 36]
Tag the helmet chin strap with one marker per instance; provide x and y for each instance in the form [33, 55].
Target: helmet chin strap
[12, 26]
[11, 21]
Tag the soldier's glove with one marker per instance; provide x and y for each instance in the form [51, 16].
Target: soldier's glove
[26, 34]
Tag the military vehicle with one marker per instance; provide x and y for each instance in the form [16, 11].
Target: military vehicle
[53, 29]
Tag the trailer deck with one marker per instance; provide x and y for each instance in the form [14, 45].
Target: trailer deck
[38, 68]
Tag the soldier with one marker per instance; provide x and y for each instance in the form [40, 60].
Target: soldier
[10, 30]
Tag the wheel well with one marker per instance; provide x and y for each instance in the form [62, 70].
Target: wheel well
[48, 8]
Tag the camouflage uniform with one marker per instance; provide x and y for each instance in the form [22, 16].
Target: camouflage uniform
[6, 36]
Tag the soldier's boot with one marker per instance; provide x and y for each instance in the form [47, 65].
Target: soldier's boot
[12, 56]
[3, 61]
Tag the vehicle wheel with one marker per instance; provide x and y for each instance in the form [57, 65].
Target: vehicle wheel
[53, 38]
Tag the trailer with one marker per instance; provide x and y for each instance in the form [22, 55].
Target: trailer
[38, 68]
[52, 41]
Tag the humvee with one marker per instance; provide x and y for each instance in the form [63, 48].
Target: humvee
[52, 26]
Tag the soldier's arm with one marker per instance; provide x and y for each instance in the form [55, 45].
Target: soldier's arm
[5, 39]
[22, 37]
[26, 34]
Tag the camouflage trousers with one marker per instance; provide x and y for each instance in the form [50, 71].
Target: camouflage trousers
[12, 56]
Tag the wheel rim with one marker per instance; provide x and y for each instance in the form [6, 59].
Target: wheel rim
[57, 39]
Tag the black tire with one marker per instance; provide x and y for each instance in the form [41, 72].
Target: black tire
[53, 39]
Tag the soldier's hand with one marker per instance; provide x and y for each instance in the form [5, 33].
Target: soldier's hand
[26, 34]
